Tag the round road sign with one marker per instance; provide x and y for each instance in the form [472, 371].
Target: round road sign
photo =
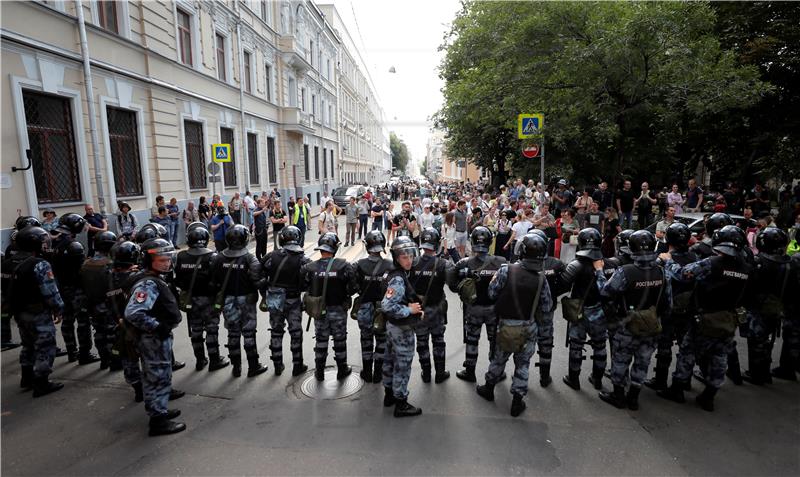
[213, 168]
[530, 151]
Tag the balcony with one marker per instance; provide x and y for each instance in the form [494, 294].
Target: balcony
[295, 120]
[294, 54]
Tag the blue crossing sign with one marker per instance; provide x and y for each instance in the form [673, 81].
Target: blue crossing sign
[529, 125]
[221, 152]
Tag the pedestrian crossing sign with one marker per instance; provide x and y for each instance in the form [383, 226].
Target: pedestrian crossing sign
[529, 125]
[221, 152]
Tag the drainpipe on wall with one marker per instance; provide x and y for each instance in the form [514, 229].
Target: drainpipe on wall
[87, 74]
[240, 49]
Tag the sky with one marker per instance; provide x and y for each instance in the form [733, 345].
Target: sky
[404, 34]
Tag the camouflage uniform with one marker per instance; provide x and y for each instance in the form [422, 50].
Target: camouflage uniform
[400, 333]
[628, 347]
[522, 360]
[428, 277]
[152, 303]
[35, 300]
[578, 276]
[96, 280]
[544, 337]
[790, 348]
[370, 272]
[117, 300]
[68, 256]
[202, 317]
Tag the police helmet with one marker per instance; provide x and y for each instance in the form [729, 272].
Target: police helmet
[642, 244]
[26, 221]
[589, 241]
[678, 235]
[729, 240]
[533, 247]
[197, 237]
[156, 247]
[403, 233]
[195, 225]
[539, 233]
[328, 242]
[71, 223]
[403, 246]
[771, 244]
[32, 239]
[622, 242]
[291, 239]
[237, 237]
[481, 239]
[716, 222]
[150, 231]
[375, 241]
[125, 254]
[430, 238]
[104, 241]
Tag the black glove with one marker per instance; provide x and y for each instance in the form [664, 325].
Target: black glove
[163, 331]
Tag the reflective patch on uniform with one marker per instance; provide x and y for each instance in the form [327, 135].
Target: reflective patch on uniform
[389, 292]
[141, 296]
[50, 275]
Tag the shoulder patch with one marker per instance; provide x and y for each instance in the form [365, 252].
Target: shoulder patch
[389, 292]
[141, 296]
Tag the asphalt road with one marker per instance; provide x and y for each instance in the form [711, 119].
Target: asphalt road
[265, 425]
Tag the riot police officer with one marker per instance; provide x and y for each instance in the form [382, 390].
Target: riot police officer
[193, 278]
[789, 363]
[37, 307]
[370, 272]
[704, 248]
[623, 256]
[125, 257]
[768, 298]
[470, 279]
[403, 309]
[237, 277]
[282, 271]
[152, 311]
[646, 295]
[332, 281]
[523, 296]
[95, 280]
[674, 324]
[428, 276]
[8, 264]
[721, 281]
[553, 268]
[67, 257]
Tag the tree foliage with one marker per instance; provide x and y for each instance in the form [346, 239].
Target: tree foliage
[399, 151]
[627, 88]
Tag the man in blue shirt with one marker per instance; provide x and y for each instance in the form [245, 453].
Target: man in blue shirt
[220, 224]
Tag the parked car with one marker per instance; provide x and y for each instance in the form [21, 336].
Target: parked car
[694, 220]
[342, 195]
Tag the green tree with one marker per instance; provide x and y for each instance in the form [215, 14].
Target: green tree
[399, 151]
[623, 85]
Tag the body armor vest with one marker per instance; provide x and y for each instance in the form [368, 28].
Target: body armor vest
[410, 296]
[185, 267]
[165, 309]
[485, 267]
[290, 277]
[240, 282]
[26, 292]
[118, 294]
[644, 286]
[370, 278]
[424, 276]
[517, 296]
[586, 278]
[336, 292]
[95, 279]
[725, 285]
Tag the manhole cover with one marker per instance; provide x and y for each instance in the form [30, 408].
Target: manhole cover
[330, 388]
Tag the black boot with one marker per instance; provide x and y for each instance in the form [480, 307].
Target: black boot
[172, 413]
[486, 391]
[176, 394]
[115, 364]
[319, 372]
[87, 357]
[403, 409]
[783, 372]
[572, 381]
[43, 386]
[138, 392]
[216, 362]
[343, 371]
[616, 397]
[254, 368]
[633, 397]
[377, 371]
[105, 360]
[366, 371]
[596, 379]
[706, 399]
[517, 405]
[388, 397]
[467, 374]
[26, 379]
[442, 374]
[734, 372]
[674, 392]
[236, 363]
[201, 363]
[279, 367]
[426, 373]
[160, 426]
[299, 369]
[176, 365]
[72, 356]
[544, 375]
[659, 381]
